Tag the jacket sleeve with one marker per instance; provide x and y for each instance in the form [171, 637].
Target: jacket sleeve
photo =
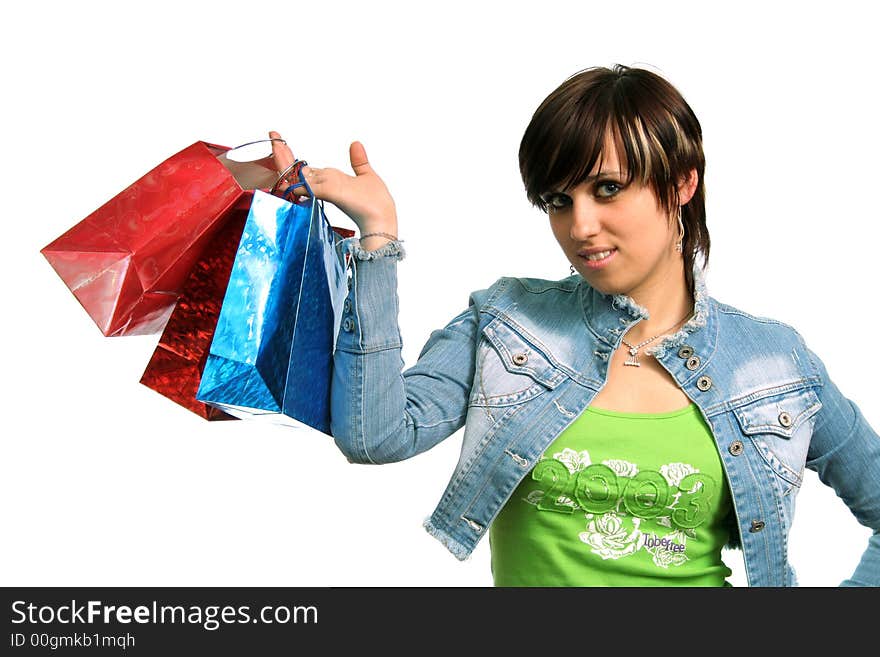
[379, 414]
[845, 452]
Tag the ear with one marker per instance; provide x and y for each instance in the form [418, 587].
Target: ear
[687, 187]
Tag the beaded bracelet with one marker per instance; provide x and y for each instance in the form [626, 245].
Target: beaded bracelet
[388, 235]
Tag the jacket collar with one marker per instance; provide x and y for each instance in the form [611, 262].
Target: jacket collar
[609, 316]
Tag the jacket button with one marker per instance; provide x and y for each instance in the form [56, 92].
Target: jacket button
[520, 359]
[685, 352]
[692, 363]
[785, 419]
[704, 383]
[757, 525]
[736, 448]
[347, 304]
[347, 324]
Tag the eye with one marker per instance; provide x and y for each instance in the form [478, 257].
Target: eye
[556, 201]
[606, 184]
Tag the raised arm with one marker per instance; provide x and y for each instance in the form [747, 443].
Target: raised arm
[380, 414]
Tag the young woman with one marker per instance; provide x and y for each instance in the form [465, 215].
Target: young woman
[621, 425]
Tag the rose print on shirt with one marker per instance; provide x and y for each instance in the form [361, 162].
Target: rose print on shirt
[573, 460]
[609, 539]
[536, 495]
[622, 468]
[675, 472]
[664, 558]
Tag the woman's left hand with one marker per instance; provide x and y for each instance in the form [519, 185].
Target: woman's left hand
[364, 197]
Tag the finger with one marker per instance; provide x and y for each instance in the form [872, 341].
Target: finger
[314, 177]
[281, 153]
[358, 156]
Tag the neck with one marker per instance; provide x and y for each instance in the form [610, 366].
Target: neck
[668, 300]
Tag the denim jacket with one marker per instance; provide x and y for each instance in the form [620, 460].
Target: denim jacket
[528, 355]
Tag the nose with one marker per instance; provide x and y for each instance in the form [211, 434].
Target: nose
[585, 220]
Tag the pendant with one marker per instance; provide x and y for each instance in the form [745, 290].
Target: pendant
[633, 358]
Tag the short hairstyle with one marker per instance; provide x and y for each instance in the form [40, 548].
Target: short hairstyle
[657, 135]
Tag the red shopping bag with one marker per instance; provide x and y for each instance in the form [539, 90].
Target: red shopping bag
[127, 261]
[175, 369]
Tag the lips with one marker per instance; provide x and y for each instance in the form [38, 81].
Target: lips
[594, 249]
[597, 257]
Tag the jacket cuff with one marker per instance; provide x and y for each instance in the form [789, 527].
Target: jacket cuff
[394, 248]
[370, 310]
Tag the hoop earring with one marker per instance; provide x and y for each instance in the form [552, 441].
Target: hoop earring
[678, 244]
[572, 269]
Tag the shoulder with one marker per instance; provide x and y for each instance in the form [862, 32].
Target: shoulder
[525, 285]
[523, 291]
[736, 318]
[529, 285]
[747, 333]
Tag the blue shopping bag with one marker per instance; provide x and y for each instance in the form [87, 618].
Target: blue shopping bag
[272, 351]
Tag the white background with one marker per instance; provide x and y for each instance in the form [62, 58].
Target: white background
[105, 482]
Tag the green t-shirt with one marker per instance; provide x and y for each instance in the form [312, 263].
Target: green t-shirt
[618, 499]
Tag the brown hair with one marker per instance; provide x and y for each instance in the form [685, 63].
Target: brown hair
[656, 132]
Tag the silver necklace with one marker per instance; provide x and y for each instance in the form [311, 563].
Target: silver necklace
[634, 349]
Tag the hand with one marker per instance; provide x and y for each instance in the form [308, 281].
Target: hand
[363, 197]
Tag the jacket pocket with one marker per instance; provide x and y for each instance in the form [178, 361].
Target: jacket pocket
[780, 427]
[511, 367]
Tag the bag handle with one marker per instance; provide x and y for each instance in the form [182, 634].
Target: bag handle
[258, 141]
[286, 172]
[289, 192]
[303, 182]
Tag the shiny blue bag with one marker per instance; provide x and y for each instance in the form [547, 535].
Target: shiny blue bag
[272, 351]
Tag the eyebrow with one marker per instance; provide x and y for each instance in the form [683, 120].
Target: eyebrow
[589, 178]
[603, 173]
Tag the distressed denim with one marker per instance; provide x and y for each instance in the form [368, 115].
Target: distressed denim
[528, 355]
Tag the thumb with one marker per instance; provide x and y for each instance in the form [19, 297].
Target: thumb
[358, 156]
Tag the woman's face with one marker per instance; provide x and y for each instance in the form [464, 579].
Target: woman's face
[600, 214]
